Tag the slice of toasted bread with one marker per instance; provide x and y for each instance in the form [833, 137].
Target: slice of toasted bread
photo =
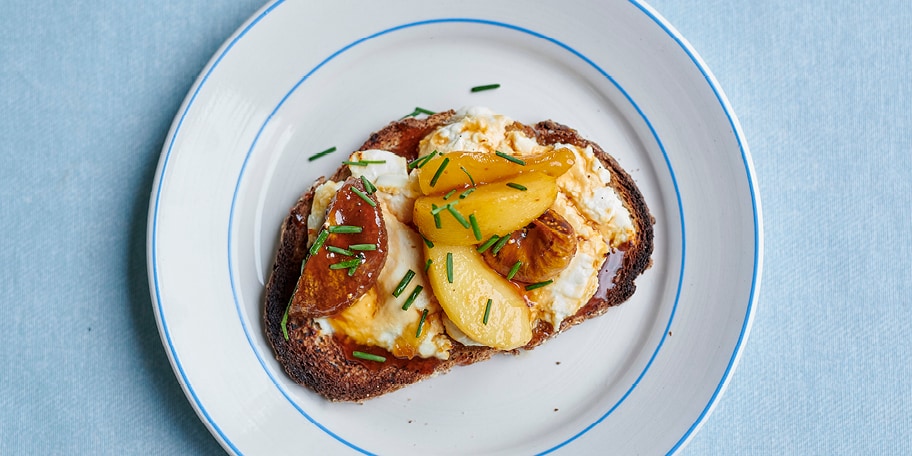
[325, 363]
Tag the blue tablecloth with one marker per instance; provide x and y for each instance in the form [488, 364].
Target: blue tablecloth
[823, 91]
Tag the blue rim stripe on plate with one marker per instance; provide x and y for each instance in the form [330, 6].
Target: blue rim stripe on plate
[736, 131]
[665, 27]
[154, 257]
[431, 22]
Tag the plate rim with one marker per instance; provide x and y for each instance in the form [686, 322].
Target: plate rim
[669, 30]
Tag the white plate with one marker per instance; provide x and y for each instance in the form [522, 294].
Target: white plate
[299, 77]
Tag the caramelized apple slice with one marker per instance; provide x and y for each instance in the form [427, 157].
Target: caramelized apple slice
[463, 284]
[498, 208]
[485, 168]
[541, 249]
[335, 275]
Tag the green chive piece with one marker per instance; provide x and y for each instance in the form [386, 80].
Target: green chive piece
[475, 228]
[421, 161]
[533, 286]
[487, 311]
[346, 264]
[510, 158]
[362, 247]
[369, 356]
[345, 229]
[418, 110]
[502, 242]
[340, 250]
[488, 243]
[369, 186]
[449, 267]
[466, 193]
[435, 211]
[456, 215]
[427, 265]
[321, 238]
[482, 88]
[443, 165]
[351, 270]
[517, 186]
[411, 297]
[320, 154]
[514, 270]
[403, 283]
[467, 174]
[427, 242]
[363, 162]
[285, 322]
[421, 323]
[449, 194]
[364, 197]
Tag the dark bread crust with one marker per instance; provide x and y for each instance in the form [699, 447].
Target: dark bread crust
[324, 364]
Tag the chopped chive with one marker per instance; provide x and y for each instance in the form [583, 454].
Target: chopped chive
[456, 215]
[427, 265]
[285, 322]
[421, 323]
[346, 264]
[502, 242]
[427, 242]
[365, 197]
[510, 158]
[488, 243]
[369, 356]
[533, 286]
[345, 229]
[514, 270]
[351, 270]
[363, 162]
[320, 154]
[443, 165]
[487, 311]
[449, 194]
[466, 193]
[476, 230]
[485, 87]
[362, 247]
[340, 250]
[435, 211]
[411, 297]
[369, 186]
[321, 238]
[418, 110]
[449, 267]
[403, 283]
[421, 161]
[467, 174]
[516, 186]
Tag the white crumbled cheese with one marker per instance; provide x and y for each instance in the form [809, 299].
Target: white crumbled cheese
[389, 176]
[587, 183]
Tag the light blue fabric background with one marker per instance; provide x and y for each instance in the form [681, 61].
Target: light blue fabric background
[823, 91]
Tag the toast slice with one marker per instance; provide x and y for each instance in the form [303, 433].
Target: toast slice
[325, 363]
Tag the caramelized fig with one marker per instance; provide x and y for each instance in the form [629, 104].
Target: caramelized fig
[346, 258]
[543, 248]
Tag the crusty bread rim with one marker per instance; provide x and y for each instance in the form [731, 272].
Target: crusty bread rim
[320, 362]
